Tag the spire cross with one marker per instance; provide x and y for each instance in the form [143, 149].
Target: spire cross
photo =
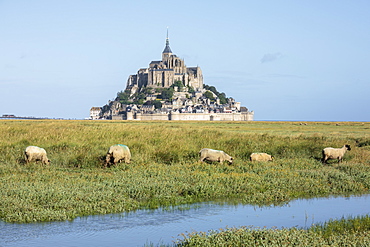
[167, 39]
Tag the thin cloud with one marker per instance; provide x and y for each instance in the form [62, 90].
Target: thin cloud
[270, 57]
[9, 66]
[285, 76]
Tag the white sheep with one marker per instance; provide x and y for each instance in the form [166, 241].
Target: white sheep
[117, 153]
[214, 155]
[334, 153]
[261, 157]
[33, 153]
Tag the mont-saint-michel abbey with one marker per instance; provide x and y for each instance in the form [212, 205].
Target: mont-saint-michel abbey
[169, 90]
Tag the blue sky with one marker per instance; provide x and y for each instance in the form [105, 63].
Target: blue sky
[285, 60]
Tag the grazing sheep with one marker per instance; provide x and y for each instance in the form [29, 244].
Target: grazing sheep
[261, 157]
[334, 153]
[214, 155]
[33, 153]
[117, 153]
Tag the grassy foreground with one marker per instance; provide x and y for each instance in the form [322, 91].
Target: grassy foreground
[165, 169]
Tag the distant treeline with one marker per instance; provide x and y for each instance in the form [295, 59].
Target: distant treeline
[15, 117]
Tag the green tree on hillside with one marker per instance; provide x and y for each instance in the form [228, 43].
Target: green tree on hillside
[179, 86]
[167, 93]
[146, 90]
[191, 89]
[209, 95]
[124, 97]
[221, 96]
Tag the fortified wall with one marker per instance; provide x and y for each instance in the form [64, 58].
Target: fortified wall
[175, 116]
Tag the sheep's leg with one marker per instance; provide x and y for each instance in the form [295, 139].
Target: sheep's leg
[29, 159]
[324, 160]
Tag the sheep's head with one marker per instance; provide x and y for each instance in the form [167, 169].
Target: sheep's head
[230, 160]
[348, 147]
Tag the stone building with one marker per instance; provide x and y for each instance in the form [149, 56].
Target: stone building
[95, 113]
[154, 93]
[164, 73]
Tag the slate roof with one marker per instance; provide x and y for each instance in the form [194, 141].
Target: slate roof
[167, 49]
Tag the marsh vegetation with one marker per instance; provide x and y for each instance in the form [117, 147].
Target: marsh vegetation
[344, 232]
[165, 168]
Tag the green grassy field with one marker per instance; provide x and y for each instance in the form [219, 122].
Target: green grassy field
[165, 169]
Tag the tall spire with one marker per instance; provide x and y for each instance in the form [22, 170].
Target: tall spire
[167, 49]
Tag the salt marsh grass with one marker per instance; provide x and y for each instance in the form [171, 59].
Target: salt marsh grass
[165, 169]
[345, 232]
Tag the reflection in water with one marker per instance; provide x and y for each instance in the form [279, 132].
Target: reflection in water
[164, 226]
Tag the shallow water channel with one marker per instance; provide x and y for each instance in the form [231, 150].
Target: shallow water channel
[164, 226]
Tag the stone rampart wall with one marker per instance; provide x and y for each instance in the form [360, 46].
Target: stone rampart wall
[188, 117]
[196, 117]
[151, 117]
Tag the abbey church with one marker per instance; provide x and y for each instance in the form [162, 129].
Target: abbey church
[165, 72]
[169, 90]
